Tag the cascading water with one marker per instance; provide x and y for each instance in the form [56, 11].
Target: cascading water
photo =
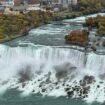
[52, 71]
[38, 56]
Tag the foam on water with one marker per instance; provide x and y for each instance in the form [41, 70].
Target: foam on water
[82, 18]
[49, 29]
[52, 71]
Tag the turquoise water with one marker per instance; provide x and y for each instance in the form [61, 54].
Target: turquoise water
[13, 97]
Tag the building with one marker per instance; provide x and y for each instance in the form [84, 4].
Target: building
[67, 2]
[6, 2]
[24, 2]
[17, 2]
[45, 2]
[32, 1]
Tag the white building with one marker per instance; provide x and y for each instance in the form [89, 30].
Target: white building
[66, 2]
[7, 2]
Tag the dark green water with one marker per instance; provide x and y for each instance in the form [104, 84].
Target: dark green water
[13, 97]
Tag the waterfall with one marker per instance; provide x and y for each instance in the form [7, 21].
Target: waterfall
[49, 70]
[38, 56]
[49, 57]
[96, 63]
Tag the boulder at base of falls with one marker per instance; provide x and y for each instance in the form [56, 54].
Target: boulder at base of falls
[77, 37]
[70, 93]
[87, 80]
[25, 74]
[80, 91]
[64, 70]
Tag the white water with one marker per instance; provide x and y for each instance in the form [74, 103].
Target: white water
[42, 63]
[82, 18]
[15, 58]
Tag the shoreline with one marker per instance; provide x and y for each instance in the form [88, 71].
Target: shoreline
[7, 39]
[14, 37]
[72, 15]
[26, 33]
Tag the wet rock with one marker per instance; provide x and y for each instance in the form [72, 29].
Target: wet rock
[43, 90]
[98, 39]
[33, 91]
[48, 80]
[85, 90]
[77, 88]
[4, 82]
[39, 80]
[67, 85]
[82, 83]
[101, 82]
[63, 84]
[25, 73]
[89, 79]
[86, 95]
[97, 44]
[63, 70]
[80, 95]
[70, 93]
[67, 89]
[80, 92]
[57, 87]
[61, 74]
[23, 85]
[24, 76]
[40, 85]
[98, 86]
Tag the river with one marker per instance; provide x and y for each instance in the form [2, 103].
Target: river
[37, 68]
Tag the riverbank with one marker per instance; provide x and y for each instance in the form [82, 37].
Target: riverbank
[67, 22]
[96, 38]
[14, 26]
[58, 16]
[21, 24]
